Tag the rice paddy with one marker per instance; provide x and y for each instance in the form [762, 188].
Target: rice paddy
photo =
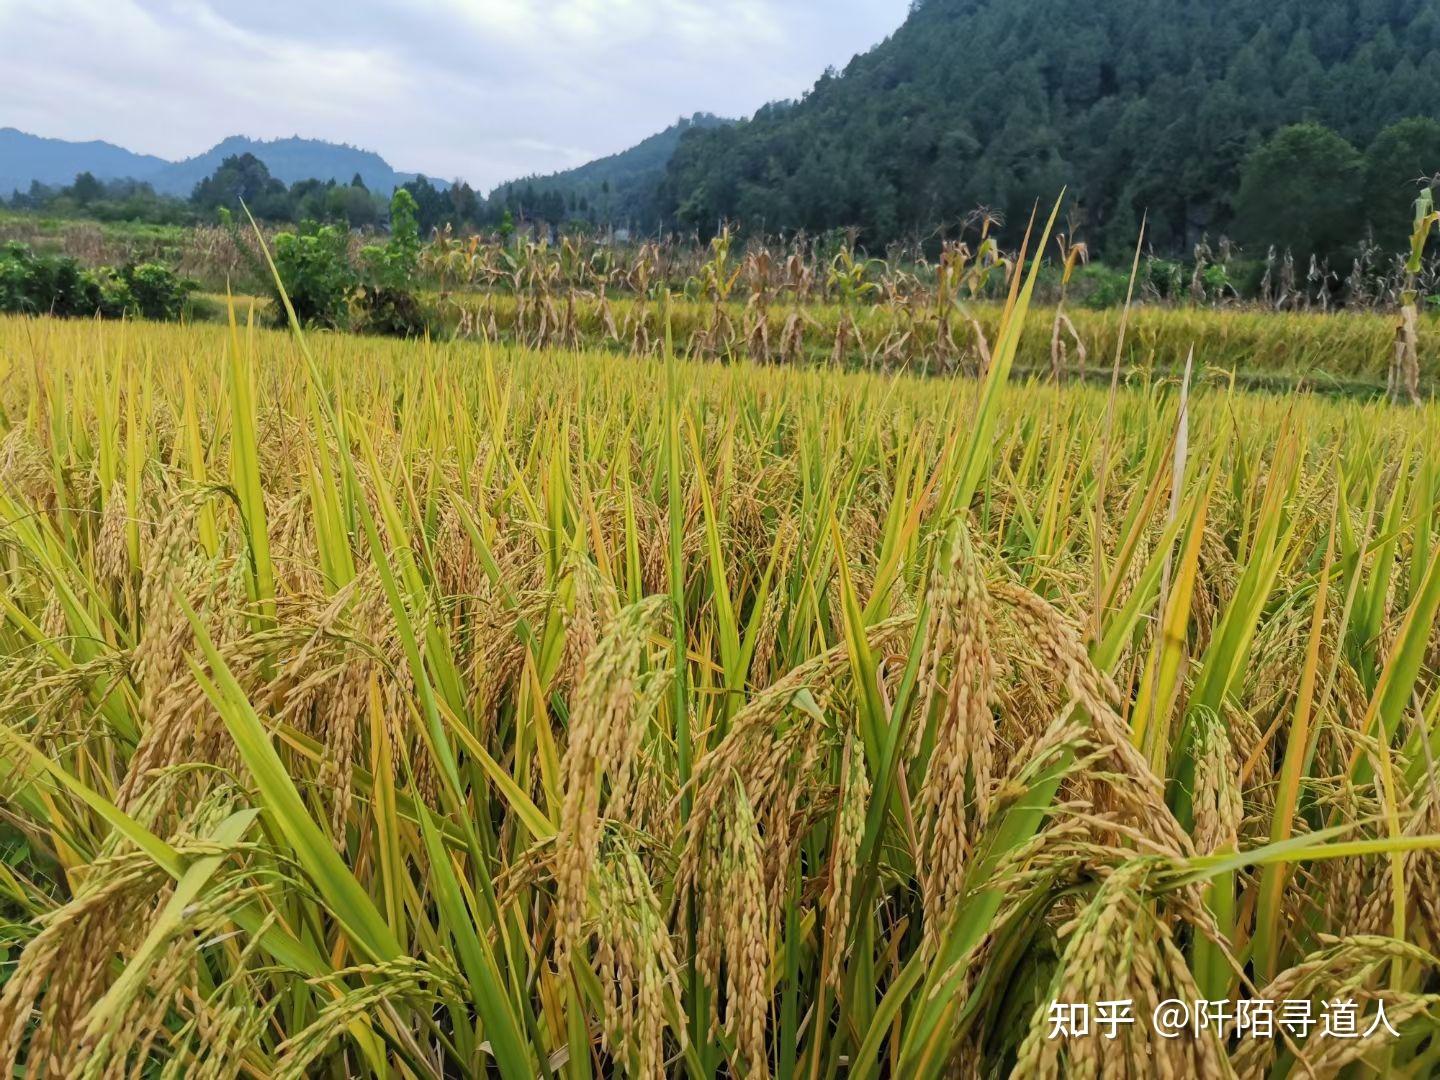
[378, 708]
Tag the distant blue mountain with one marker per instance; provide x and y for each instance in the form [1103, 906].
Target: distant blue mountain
[25, 158]
[289, 160]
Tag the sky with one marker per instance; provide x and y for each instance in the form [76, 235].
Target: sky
[481, 90]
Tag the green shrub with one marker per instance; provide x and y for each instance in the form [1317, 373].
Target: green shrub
[1246, 276]
[391, 312]
[33, 284]
[53, 285]
[14, 278]
[374, 293]
[385, 301]
[314, 266]
[1166, 278]
[394, 264]
[1100, 286]
[156, 292]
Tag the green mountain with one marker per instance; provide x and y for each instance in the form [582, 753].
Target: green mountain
[1137, 105]
[619, 190]
[26, 158]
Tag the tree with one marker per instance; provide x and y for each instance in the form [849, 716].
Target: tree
[1403, 159]
[243, 177]
[551, 208]
[354, 205]
[86, 189]
[391, 265]
[464, 204]
[386, 299]
[308, 199]
[1301, 190]
[432, 207]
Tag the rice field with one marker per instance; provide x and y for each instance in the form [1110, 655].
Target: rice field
[426, 710]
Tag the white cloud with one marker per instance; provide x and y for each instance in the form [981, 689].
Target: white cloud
[488, 90]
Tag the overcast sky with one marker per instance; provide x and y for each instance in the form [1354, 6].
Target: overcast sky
[486, 90]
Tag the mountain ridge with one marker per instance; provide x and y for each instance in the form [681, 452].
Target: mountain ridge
[290, 160]
[57, 161]
[27, 158]
[617, 189]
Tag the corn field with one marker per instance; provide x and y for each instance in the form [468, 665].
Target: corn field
[808, 300]
[1336, 352]
[376, 708]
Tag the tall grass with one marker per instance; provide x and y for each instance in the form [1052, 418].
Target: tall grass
[375, 708]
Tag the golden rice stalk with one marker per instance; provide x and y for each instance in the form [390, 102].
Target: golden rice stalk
[607, 727]
[1118, 949]
[956, 676]
[848, 833]
[636, 962]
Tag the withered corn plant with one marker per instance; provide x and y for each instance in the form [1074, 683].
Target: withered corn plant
[383, 709]
[1404, 379]
[1351, 351]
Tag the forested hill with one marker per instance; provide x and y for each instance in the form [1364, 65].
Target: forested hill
[617, 190]
[1134, 104]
